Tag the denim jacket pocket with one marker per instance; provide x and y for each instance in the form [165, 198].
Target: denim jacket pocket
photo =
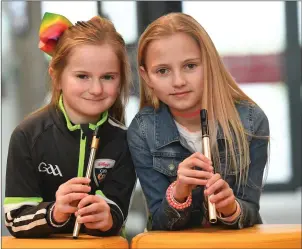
[167, 164]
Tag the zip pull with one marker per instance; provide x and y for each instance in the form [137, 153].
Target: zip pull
[85, 130]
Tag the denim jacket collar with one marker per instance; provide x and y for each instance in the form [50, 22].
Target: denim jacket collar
[165, 128]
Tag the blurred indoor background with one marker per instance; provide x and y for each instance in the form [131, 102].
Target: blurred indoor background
[259, 42]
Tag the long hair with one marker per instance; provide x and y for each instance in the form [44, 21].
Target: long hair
[220, 91]
[96, 31]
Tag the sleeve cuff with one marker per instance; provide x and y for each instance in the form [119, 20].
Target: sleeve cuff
[51, 220]
[233, 218]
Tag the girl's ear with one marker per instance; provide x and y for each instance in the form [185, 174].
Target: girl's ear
[145, 76]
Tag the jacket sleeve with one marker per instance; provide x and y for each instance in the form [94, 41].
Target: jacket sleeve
[154, 184]
[26, 215]
[248, 195]
[118, 191]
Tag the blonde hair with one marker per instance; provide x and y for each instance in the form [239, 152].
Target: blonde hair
[220, 91]
[96, 31]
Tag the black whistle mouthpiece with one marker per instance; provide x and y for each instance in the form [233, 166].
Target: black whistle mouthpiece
[204, 122]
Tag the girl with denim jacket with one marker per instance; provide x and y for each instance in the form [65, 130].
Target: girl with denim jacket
[180, 74]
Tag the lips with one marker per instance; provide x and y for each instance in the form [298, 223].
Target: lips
[180, 93]
[95, 100]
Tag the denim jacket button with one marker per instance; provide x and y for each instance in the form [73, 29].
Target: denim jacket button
[171, 166]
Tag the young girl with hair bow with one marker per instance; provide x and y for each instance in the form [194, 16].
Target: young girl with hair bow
[49, 150]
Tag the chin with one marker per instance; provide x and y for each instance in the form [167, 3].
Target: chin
[182, 107]
[95, 113]
[93, 110]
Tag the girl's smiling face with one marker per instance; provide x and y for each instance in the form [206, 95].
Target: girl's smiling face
[90, 82]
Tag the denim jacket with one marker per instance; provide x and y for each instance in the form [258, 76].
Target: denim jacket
[157, 149]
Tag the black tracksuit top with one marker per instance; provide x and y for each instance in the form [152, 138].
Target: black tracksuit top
[45, 151]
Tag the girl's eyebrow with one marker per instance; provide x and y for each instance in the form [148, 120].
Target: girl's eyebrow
[85, 72]
[160, 65]
[192, 59]
[115, 73]
[80, 71]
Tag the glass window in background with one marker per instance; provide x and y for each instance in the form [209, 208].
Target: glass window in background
[73, 10]
[250, 37]
[123, 15]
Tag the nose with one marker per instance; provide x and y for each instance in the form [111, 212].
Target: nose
[179, 80]
[96, 87]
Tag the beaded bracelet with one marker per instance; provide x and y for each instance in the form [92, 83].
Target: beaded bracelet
[175, 204]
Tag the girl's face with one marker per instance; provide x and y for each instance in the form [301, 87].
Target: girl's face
[174, 72]
[90, 82]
